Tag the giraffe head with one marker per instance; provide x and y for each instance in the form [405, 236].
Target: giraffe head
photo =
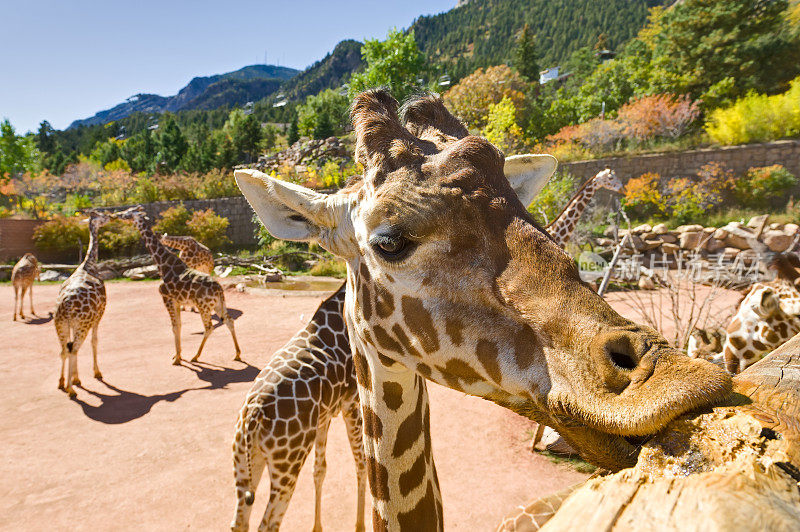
[97, 219]
[135, 214]
[608, 179]
[449, 276]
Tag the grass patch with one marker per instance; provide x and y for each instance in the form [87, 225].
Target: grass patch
[329, 268]
[576, 463]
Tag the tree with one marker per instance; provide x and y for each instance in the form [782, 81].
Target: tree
[45, 139]
[170, 143]
[324, 114]
[245, 134]
[501, 127]
[471, 97]
[139, 151]
[395, 63]
[293, 134]
[17, 154]
[526, 60]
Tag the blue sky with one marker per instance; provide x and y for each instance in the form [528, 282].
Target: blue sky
[67, 59]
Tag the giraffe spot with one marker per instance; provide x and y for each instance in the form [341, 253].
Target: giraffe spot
[759, 346]
[285, 408]
[410, 428]
[335, 321]
[373, 427]
[378, 479]
[412, 477]
[772, 337]
[379, 524]
[364, 272]
[737, 342]
[392, 395]
[404, 341]
[782, 329]
[362, 370]
[734, 325]
[366, 304]
[384, 301]
[747, 355]
[488, 357]
[420, 323]
[454, 328]
[423, 517]
[385, 340]
[388, 277]
[327, 337]
[424, 370]
[386, 361]
[462, 370]
[526, 348]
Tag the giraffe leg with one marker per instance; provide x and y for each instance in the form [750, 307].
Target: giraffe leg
[62, 330]
[320, 468]
[351, 412]
[283, 478]
[223, 315]
[30, 298]
[247, 477]
[205, 315]
[16, 297]
[97, 374]
[22, 302]
[175, 317]
[77, 341]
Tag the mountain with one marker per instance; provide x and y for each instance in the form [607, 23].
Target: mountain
[330, 72]
[481, 33]
[250, 83]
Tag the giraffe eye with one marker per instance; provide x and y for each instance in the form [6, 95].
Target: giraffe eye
[391, 247]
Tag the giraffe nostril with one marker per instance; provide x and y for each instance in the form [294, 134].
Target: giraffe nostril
[622, 360]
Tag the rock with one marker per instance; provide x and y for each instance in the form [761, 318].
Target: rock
[273, 277]
[775, 226]
[107, 274]
[709, 230]
[777, 240]
[241, 287]
[730, 253]
[635, 242]
[647, 245]
[143, 272]
[689, 228]
[668, 238]
[713, 245]
[720, 234]
[648, 235]
[756, 221]
[791, 229]
[737, 237]
[660, 229]
[644, 228]
[646, 283]
[52, 275]
[748, 256]
[670, 249]
[691, 239]
[604, 242]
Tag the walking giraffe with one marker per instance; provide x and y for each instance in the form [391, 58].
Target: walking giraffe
[321, 346]
[25, 271]
[194, 254]
[80, 305]
[449, 279]
[563, 226]
[182, 285]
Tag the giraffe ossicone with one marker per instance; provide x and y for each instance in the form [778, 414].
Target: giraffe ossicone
[449, 279]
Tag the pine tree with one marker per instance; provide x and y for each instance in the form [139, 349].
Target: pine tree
[525, 57]
[293, 135]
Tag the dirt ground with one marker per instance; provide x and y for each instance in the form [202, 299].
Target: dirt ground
[149, 448]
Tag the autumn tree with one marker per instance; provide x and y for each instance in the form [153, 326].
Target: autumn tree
[501, 128]
[471, 98]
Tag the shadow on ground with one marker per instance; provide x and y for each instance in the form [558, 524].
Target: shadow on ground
[123, 406]
[219, 377]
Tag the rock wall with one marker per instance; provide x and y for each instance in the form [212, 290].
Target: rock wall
[687, 163]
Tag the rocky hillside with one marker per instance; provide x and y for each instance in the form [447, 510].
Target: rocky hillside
[252, 82]
[329, 72]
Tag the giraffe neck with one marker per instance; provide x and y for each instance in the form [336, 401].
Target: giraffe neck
[176, 243]
[564, 225]
[90, 260]
[168, 263]
[397, 440]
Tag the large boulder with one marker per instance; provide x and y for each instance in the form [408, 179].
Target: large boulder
[689, 228]
[644, 228]
[670, 238]
[52, 275]
[143, 272]
[660, 229]
[670, 249]
[777, 240]
[737, 236]
[713, 245]
[691, 239]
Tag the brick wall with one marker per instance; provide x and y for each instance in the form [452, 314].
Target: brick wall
[687, 163]
[16, 237]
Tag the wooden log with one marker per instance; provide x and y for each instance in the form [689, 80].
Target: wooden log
[735, 467]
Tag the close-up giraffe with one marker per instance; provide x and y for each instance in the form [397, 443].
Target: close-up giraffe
[564, 225]
[24, 273]
[449, 279]
[194, 254]
[321, 344]
[182, 285]
[80, 305]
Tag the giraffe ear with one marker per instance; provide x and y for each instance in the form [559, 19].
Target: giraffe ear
[528, 174]
[289, 211]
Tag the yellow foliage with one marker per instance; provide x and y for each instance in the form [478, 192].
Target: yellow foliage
[471, 98]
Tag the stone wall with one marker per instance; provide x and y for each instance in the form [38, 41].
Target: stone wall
[687, 163]
[16, 238]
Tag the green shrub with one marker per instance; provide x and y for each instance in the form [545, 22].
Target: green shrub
[329, 268]
[762, 185]
[553, 198]
[61, 234]
[173, 221]
[757, 118]
[218, 184]
[118, 237]
[209, 228]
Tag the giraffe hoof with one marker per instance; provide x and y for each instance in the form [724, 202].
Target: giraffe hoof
[98, 375]
[237, 358]
[176, 361]
[195, 359]
[72, 394]
[76, 382]
[61, 384]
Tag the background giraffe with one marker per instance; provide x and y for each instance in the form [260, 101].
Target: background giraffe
[22, 276]
[194, 254]
[79, 307]
[289, 408]
[563, 226]
[182, 285]
[325, 343]
[521, 329]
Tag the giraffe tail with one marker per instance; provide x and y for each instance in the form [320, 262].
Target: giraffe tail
[69, 346]
[249, 494]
